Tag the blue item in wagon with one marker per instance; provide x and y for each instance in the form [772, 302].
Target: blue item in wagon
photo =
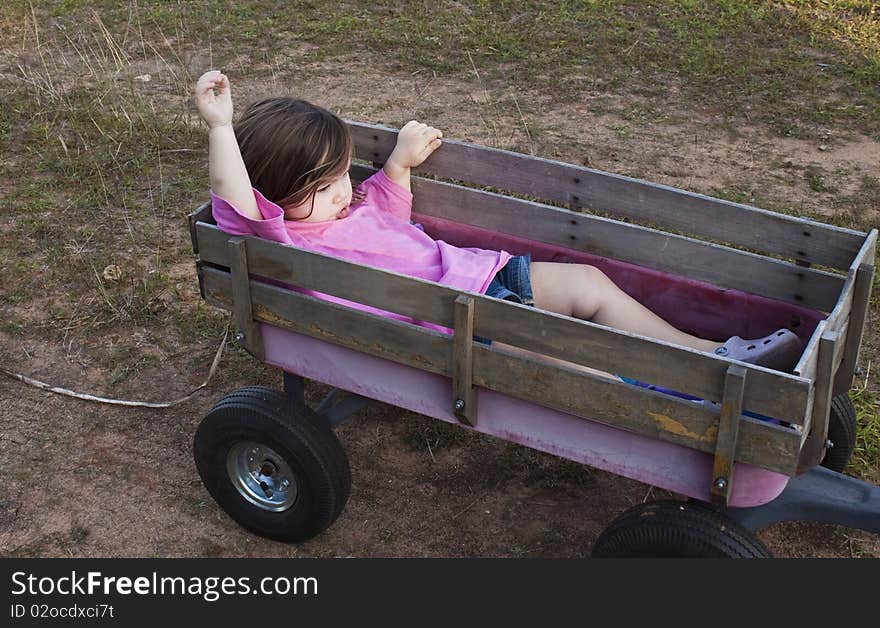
[697, 400]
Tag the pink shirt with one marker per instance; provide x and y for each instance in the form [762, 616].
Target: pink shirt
[376, 232]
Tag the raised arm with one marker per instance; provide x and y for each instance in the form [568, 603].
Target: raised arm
[415, 142]
[229, 177]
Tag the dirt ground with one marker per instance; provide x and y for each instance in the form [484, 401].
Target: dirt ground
[85, 479]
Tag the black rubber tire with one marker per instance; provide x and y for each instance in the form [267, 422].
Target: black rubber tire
[676, 529]
[841, 432]
[312, 452]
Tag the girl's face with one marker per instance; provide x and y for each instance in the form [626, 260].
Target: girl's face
[331, 202]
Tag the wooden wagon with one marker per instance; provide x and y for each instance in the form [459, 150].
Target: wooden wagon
[709, 266]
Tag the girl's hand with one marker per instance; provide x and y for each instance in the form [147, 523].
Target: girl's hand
[214, 98]
[415, 142]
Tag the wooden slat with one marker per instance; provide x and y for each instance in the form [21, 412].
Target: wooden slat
[387, 290]
[855, 292]
[719, 265]
[464, 404]
[814, 444]
[806, 366]
[769, 392]
[728, 433]
[864, 269]
[654, 414]
[556, 386]
[840, 314]
[379, 336]
[201, 214]
[249, 336]
[679, 210]
[839, 348]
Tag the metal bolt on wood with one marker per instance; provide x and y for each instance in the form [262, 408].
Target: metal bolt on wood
[459, 405]
[239, 337]
[720, 483]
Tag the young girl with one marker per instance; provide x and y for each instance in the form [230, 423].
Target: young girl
[281, 173]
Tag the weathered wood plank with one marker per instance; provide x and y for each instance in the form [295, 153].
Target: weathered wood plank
[864, 268]
[201, 214]
[768, 392]
[854, 294]
[728, 433]
[386, 290]
[557, 386]
[654, 414]
[464, 405]
[840, 314]
[813, 447]
[719, 265]
[382, 337]
[679, 210]
[806, 366]
[839, 348]
[249, 335]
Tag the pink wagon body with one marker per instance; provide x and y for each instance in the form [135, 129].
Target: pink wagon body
[665, 465]
[710, 311]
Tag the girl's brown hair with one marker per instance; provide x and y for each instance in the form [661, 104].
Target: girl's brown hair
[291, 148]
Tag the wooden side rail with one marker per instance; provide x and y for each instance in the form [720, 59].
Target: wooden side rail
[863, 269]
[816, 430]
[249, 333]
[769, 392]
[728, 434]
[678, 210]
[719, 265]
[201, 214]
[847, 319]
[568, 389]
[464, 397]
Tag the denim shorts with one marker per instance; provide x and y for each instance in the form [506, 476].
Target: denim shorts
[511, 283]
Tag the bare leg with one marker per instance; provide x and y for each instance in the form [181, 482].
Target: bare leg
[585, 292]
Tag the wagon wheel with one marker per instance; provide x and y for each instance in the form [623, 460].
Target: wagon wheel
[676, 529]
[276, 470]
[841, 433]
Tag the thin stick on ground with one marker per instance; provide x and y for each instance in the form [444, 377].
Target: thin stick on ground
[525, 126]
[122, 402]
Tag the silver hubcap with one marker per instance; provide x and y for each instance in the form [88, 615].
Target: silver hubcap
[261, 476]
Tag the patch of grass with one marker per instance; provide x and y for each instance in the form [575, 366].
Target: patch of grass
[867, 449]
[737, 195]
[794, 64]
[78, 535]
[817, 181]
[541, 469]
[436, 435]
[53, 544]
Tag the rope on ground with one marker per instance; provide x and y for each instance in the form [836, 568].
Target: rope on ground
[122, 402]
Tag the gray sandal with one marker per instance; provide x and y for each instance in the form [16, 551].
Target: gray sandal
[779, 350]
